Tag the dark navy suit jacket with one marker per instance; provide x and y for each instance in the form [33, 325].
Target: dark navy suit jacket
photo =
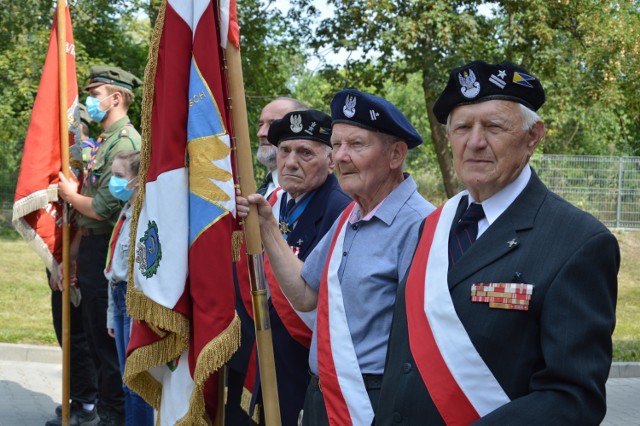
[553, 360]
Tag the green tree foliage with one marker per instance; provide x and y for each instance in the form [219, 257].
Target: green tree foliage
[118, 32]
[585, 53]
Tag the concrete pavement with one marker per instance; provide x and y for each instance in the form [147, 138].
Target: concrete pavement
[31, 387]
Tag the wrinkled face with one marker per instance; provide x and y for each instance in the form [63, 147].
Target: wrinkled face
[362, 158]
[490, 146]
[272, 111]
[303, 165]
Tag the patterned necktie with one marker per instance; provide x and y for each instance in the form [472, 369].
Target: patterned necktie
[465, 232]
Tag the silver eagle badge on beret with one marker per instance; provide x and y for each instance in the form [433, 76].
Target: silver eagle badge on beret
[349, 108]
[470, 87]
[296, 123]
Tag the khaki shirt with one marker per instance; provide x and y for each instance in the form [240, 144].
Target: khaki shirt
[120, 136]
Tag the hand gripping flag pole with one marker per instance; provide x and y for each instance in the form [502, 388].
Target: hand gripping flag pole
[254, 245]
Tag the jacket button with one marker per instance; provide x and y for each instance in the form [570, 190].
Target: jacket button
[344, 253]
[397, 417]
[406, 367]
[354, 226]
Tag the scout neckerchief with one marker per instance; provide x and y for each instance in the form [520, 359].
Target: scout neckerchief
[92, 159]
[289, 217]
[94, 152]
[458, 380]
[345, 395]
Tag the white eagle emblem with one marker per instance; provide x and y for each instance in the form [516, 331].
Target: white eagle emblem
[349, 108]
[296, 123]
[470, 87]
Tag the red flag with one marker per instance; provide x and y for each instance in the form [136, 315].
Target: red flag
[37, 214]
[182, 232]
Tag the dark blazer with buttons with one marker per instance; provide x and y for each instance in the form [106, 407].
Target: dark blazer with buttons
[552, 360]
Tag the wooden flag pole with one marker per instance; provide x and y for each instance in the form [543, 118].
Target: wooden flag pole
[66, 226]
[254, 244]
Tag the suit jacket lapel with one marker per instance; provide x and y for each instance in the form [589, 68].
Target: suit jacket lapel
[504, 235]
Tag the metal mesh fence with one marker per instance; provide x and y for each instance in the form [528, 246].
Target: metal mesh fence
[606, 187]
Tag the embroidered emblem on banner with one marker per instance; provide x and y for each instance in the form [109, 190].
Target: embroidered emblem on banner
[349, 108]
[149, 251]
[296, 123]
[523, 79]
[514, 296]
[470, 87]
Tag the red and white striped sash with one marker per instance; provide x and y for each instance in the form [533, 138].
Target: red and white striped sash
[344, 391]
[298, 324]
[459, 382]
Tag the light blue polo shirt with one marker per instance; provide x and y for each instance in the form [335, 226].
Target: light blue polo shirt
[376, 258]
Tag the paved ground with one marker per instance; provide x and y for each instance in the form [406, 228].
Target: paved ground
[30, 387]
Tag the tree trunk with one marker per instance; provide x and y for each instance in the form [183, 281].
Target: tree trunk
[440, 143]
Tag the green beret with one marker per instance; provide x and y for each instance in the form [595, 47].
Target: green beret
[102, 74]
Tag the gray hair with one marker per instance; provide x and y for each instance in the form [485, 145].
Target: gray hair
[529, 118]
[297, 105]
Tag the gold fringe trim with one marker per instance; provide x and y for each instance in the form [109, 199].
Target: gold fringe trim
[139, 307]
[245, 404]
[211, 359]
[236, 245]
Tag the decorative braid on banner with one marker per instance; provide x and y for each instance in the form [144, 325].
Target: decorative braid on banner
[211, 358]
[236, 245]
[145, 126]
[34, 201]
[36, 243]
[245, 404]
[174, 330]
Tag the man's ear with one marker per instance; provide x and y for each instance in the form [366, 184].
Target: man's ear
[536, 133]
[398, 153]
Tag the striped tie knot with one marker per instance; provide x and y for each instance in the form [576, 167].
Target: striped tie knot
[465, 232]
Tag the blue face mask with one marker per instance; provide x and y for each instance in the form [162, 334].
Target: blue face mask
[118, 188]
[93, 108]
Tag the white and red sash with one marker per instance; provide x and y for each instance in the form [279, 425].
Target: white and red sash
[458, 380]
[345, 395]
[298, 324]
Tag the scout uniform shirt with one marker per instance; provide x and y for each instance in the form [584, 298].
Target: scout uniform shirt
[120, 136]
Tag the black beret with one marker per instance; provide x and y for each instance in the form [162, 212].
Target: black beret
[102, 74]
[373, 113]
[309, 124]
[479, 81]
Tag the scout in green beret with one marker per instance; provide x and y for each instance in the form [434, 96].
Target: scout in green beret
[110, 95]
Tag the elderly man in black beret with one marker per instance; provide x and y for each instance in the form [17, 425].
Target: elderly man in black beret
[508, 309]
[352, 275]
[305, 206]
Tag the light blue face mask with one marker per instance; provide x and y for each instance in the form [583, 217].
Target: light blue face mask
[93, 108]
[118, 188]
